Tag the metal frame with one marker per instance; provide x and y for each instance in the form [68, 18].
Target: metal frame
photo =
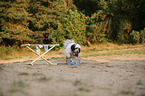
[40, 56]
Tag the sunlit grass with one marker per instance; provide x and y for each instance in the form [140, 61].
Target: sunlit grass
[107, 49]
[109, 46]
[17, 86]
[118, 52]
[110, 49]
[7, 53]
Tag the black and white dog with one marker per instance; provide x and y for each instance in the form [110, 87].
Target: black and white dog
[71, 49]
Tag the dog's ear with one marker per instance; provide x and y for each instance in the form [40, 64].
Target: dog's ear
[79, 50]
[73, 47]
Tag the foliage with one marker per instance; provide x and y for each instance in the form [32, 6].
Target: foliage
[138, 36]
[73, 26]
[135, 36]
[142, 36]
[27, 21]
[85, 21]
[123, 31]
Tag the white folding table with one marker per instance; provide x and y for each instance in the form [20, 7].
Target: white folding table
[40, 56]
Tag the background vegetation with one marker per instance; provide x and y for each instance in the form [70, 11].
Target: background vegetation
[85, 21]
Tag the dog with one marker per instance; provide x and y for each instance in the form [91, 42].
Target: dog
[71, 49]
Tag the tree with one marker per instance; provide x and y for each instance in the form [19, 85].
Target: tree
[85, 21]
[28, 20]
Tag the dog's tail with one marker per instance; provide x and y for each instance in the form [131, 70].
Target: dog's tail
[66, 42]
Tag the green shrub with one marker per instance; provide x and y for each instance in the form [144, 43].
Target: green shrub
[123, 32]
[72, 26]
[138, 36]
[135, 36]
[142, 36]
[53, 21]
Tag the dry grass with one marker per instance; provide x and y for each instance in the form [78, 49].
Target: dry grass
[9, 53]
[112, 49]
[109, 46]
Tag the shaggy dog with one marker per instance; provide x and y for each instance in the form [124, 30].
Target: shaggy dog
[71, 50]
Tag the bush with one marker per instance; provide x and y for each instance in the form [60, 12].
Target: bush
[138, 36]
[142, 36]
[53, 21]
[135, 36]
[124, 31]
[27, 21]
[72, 26]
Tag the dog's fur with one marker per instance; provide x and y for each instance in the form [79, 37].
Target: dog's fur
[70, 48]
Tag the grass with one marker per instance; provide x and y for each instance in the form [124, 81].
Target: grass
[28, 61]
[83, 89]
[17, 86]
[8, 53]
[57, 58]
[45, 78]
[127, 92]
[1, 94]
[23, 73]
[77, 82]
[118, 52]
[35, 74]
[2, 66]
[139, 83]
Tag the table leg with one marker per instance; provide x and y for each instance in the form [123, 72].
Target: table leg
[40, 56]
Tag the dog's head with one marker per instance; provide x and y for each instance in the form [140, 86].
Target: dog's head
[76, 48]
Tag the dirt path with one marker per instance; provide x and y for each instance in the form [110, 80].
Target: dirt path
[96, 76]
